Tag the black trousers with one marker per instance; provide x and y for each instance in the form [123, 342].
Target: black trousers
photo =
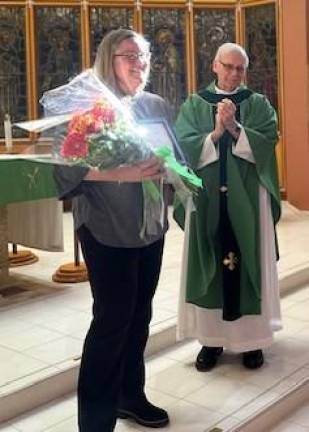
[123, 283]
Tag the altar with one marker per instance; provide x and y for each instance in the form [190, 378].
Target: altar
[30, 213]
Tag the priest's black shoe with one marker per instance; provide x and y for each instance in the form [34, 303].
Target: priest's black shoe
[144, 413]
[253, 359]
[207, 358]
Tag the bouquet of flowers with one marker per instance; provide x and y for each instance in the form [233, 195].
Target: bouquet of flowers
[95, 129]
[98, 138]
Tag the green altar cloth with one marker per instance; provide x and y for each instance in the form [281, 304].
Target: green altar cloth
[26, 179]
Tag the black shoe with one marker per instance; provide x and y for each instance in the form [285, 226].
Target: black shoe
[253, 359]
[145, 414]
[207, 358]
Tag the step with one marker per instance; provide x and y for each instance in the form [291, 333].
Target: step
[43, 386]
[274, 412]
[48, 384]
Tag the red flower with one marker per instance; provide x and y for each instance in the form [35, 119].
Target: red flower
[74, 146]
[103, 113]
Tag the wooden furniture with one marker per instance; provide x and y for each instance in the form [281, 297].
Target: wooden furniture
[20, 180]
[28, 178]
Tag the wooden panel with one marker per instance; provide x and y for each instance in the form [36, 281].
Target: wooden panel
[62, 3]
[12, 3]
[85, 37]
[216, 2]
[123, 3]
[307, 27]
[295, 101]
[4, 259]
[243, 3]
[163, 3]
[119, 3]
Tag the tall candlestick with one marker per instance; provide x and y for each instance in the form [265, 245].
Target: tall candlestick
[8, 133]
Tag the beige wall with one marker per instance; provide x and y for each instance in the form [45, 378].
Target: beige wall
[295, 114]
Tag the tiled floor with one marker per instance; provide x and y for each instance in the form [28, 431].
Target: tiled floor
[197, 401]
[41, 334]
[42, 329]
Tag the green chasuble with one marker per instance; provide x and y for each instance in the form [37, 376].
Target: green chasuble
[205, 265]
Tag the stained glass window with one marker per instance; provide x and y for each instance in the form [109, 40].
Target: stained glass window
[165, 29]
[13, 89]
[58, 46]
[260, 42]
[212, 28]
[104, 19]
[58, 41]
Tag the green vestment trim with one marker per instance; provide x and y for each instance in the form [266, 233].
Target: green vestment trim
[194, 123]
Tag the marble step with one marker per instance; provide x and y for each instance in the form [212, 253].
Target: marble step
[271, 414]
[43, 386]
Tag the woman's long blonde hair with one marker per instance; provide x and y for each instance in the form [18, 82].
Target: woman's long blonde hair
[103, 64]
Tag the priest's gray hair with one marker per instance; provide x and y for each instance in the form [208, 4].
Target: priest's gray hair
[103, 64]
[232, 47]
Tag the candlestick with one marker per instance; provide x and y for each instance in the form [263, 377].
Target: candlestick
[8, 133]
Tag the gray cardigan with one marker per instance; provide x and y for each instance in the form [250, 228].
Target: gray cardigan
[113, 212]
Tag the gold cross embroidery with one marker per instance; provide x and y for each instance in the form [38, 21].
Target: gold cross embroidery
[230, 260]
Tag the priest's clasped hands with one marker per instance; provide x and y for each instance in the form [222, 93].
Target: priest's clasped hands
[225, 120]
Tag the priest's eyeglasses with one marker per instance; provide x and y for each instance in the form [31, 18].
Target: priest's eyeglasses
[133, 57]
[230, 68]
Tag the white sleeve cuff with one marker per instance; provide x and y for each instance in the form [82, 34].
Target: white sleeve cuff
[242, 147]
[209, 153]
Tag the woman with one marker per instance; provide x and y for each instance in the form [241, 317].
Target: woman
[123, 267]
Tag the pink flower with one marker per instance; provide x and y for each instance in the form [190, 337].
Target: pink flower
[82, 125]
[74, 146]
[102, 113]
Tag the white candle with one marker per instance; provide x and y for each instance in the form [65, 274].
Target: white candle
[8, 133]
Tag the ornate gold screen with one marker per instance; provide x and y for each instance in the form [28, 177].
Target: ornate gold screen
[45, 43]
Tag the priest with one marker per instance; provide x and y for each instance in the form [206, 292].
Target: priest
[229, 287]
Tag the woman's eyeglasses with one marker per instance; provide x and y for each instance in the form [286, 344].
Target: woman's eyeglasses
[133, 57]
[230, 68]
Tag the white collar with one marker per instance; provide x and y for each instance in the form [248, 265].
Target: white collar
[219, 91]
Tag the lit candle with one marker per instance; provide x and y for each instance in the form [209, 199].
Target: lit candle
[8, 133]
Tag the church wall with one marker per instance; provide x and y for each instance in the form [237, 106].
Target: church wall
[295, 92]
[40, 55]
